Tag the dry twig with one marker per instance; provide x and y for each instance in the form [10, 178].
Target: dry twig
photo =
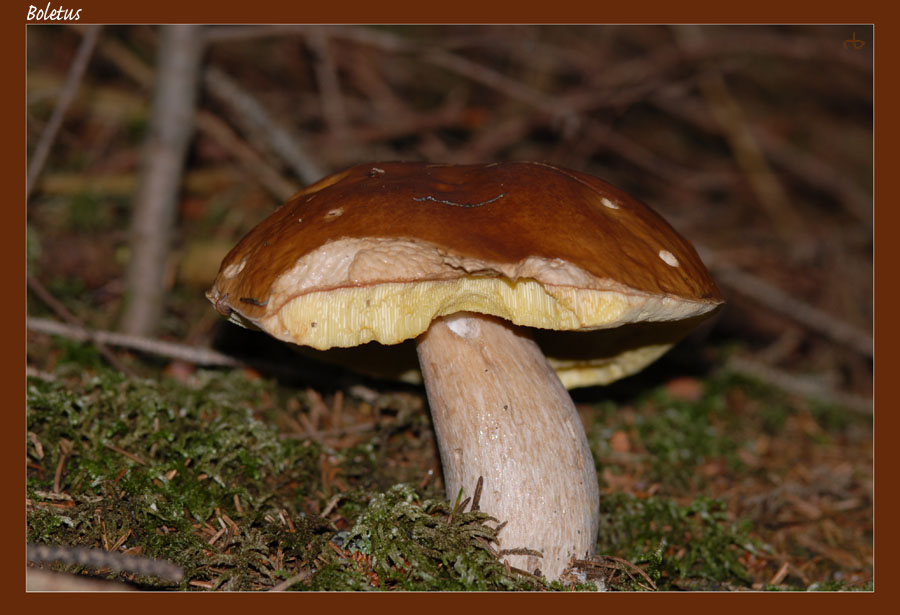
[798, 163]
[37, 580]
[172, 350]
[597, 566]
[287, 583]
[98, 558]
[125, 453]
[61, 310]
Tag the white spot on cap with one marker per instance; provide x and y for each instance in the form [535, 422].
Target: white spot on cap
[233, 269]
[608, 203]
[668, 258]
[334, 213]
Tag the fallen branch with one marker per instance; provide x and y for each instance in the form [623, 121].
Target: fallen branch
[98, 558]
[595, 567]
[60, 310]
[124, 184]
[171, 350]
[38, 580]
[783, 303]
[287, 583]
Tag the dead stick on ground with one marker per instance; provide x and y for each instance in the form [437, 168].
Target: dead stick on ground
[99, 559]
[545, 103]
[171, 350]
[801, 164]
[802, 313]
[53, 303]
[73, 80]
[123, 58]
[64, 449]
[125, 453]
[814, 171]
[287, 583]
[398, 44]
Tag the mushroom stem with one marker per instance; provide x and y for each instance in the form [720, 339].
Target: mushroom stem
[500, 412]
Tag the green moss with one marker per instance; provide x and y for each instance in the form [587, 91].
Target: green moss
[156, 459]
[408, 544]
[761, 406]
[674, 542]
[682, 435]
[160, 464]
[675, 435]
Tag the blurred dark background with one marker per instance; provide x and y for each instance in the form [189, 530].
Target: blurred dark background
[755, 142]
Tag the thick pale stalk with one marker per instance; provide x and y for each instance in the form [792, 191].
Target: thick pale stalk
[500, 412]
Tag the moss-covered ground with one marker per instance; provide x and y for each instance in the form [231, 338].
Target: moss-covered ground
[249, 484]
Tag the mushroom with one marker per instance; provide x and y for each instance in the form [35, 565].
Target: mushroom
[465, 258]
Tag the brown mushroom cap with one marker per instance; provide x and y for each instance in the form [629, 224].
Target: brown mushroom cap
[380, 250]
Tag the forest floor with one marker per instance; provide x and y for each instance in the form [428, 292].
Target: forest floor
[709, 482]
